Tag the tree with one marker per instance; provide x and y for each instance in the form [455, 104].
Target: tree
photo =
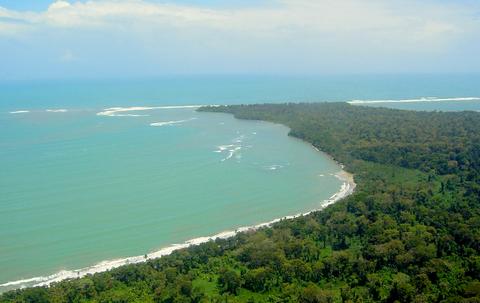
[229, 281]
[313, 294]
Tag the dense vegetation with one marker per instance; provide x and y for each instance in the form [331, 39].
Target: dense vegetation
[410, 233]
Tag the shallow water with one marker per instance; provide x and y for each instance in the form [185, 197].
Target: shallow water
[78, 188]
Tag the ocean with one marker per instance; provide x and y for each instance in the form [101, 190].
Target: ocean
[94, 171]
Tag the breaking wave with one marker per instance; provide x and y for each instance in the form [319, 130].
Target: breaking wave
[423, 99]
[60, 110]
[232, 149]
[170, 122]
[274, 167]
[124, 111]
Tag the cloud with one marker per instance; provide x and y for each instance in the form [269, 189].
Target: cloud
[303, 34]
[62, 14]
[288, 15]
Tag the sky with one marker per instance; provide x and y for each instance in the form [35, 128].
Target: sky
[42, 39]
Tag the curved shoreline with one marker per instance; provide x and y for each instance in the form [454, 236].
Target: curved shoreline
[347, 188]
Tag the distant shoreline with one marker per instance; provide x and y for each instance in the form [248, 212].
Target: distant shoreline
[423, 99]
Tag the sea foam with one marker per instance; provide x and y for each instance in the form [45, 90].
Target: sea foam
[232, 149]
[423, 99]
[274, 167]
[231, 152]
[60, 110]
[20, 112]
[121, 111]
[170, 122]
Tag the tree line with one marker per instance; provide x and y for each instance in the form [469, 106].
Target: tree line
[410, 233]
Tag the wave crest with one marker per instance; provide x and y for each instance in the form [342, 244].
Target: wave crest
[170, 122]
[60, 110]
[423, 99]
[120, 111]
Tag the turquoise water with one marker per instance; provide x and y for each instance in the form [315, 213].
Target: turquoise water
[77, 188]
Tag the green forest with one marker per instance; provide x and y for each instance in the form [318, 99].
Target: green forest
[409, 233]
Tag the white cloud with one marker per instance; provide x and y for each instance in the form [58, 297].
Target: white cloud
[320, 31]
[288, 15]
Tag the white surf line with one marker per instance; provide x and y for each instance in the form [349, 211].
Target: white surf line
[346, 189]
[53, 110]
[20, 112]
[424, 99]
[274, 167]
[171, 122]
[117, 111]
[60, 110]
[223, 148]
[231, 153]
[232, 149]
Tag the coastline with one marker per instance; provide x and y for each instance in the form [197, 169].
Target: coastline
[347, 188]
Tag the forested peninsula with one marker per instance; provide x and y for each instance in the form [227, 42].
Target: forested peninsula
[409, 233]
